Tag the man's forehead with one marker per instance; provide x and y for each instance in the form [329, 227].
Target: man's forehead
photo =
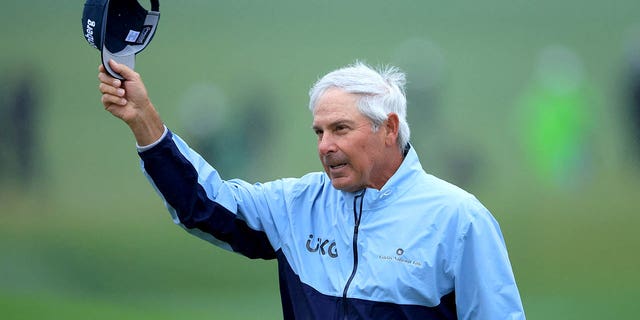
[333, 96]
[332, 114]
[337, 105]
[336, 101]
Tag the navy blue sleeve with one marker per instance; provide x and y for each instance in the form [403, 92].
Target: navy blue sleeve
[178, 181]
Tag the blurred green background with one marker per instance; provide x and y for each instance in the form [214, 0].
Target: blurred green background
[86, 237]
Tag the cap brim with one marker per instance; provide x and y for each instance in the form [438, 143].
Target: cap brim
[127, 59]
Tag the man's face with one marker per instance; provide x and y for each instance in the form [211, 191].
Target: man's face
[351, 153]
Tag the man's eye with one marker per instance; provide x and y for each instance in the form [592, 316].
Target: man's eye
[341, 129]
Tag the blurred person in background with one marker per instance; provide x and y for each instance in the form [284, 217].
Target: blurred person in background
[20, 103]
[205, 115]
[424, 90]
[632, 95]
[555, 119]
[372, 237]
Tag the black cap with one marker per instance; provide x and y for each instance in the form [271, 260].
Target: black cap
[119, 29]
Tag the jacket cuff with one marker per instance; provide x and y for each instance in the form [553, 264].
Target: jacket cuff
[149, 146]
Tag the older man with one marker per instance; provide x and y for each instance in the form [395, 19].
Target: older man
[372, 237]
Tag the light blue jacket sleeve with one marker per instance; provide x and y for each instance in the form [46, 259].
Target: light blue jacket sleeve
[484, 281]
[235, 215]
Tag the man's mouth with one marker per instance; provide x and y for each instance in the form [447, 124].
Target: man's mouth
[335, 163]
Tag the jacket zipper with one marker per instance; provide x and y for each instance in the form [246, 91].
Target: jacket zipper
[357, 214]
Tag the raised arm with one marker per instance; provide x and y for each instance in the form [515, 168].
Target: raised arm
[193, 191]
[128, 100]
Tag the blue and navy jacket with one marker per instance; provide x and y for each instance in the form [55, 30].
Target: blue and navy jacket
[419, 248]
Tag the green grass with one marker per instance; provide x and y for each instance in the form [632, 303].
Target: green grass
[143, 267]
[178, 306]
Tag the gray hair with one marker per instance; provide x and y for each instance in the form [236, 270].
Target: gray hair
[381, 93]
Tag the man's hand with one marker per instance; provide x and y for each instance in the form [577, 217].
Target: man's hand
[128, 100]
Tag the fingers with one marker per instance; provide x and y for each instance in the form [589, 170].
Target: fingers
[126, 72]
[110, 87]
[129, 92]
[112, 95]
[109, 100]
[105, 78]
[106, 89]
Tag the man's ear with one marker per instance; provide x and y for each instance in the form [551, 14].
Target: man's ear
[392, 127]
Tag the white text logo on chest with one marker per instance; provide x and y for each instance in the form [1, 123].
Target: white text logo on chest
[400, 257]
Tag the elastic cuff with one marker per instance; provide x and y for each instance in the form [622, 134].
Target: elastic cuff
[149, 146]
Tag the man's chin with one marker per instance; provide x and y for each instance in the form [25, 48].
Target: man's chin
[343, 185]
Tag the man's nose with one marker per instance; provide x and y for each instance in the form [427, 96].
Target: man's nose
[326, 144]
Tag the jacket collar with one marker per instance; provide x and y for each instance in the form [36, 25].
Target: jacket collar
[399, 183]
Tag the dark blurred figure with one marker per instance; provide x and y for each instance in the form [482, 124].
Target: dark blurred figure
[20, 105]
[633, 100]
[425, 84]
[247, 127]
[426, 81]
[256, 125]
